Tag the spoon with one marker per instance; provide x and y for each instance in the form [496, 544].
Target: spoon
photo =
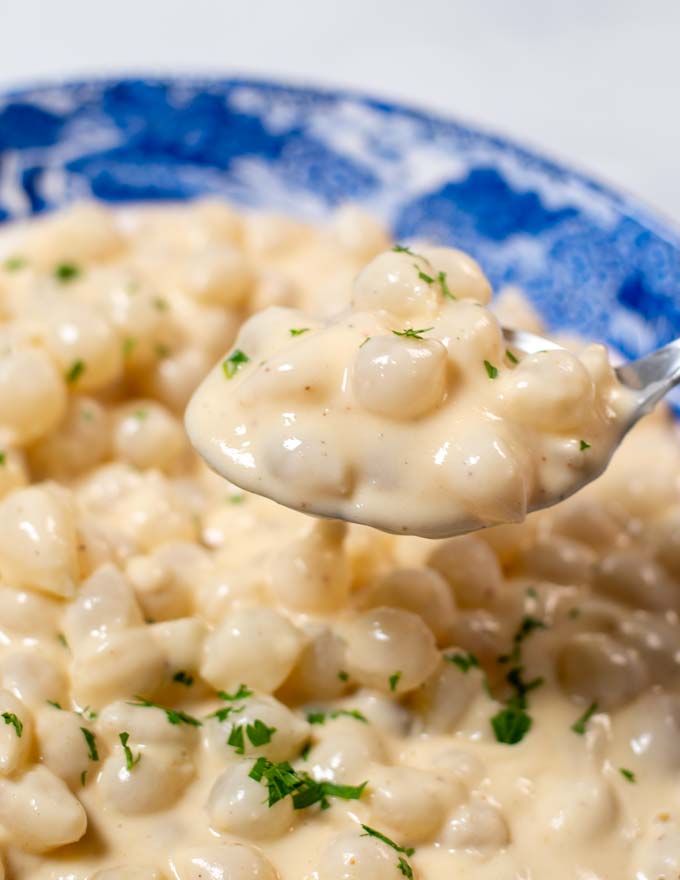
[650, 377]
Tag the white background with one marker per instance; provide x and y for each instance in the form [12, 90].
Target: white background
[594, 81]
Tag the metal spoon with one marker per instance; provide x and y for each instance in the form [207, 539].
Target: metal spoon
[650, 377]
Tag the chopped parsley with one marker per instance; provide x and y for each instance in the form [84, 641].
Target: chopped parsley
[236, 498]
[129, 346]
[532, 593]
[140, 414]
[160, 304]
[583, 445]
[394, 680]
[579, 726]
[174, 716]
[511, 357]
[54, 704]
[404, 868]
[87, 713]
[66, 272]
[17, 724]
[511, 725]
[162, 351]
[83, 778]
[428, 279]
[320, 717]
[3, 458]
[464, 661]
[365, 341]
[282, 780]
[130, 759]
[410, 333]
[12, 264]
[402, 865]
[491, 371]
[91, 743]
[242, 693]
[400, 249]
[527, 626]
[258, 733]
[234, 362]
[343, 676]
[441, 278]
[61, 638]
[304, 754]
[371, 832]
[182, 677]
[627, 774]
[298, 331]
[75, 371]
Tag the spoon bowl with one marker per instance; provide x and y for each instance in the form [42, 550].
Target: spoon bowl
[650, 377]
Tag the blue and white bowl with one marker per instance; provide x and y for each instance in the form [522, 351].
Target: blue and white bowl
[590, 258]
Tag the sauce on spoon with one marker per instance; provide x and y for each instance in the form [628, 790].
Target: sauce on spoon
[407, 411]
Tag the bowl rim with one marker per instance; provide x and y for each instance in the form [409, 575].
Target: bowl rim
[625, 202]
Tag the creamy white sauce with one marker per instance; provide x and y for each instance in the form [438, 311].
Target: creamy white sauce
[128, 569]
[407, 411]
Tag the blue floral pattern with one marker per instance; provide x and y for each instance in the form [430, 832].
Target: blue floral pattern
[590, 258]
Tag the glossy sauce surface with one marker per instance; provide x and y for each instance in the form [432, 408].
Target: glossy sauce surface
[407, 411]
[511, 699]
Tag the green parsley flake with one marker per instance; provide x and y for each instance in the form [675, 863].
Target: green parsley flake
[160, 304]
[234, 362]
[464, 661]
[441, 278]
[129, 346]
[304, 754]
[130, 760]
[627, 774]
[428, 279]
[236, 498]
[66, 272]
[343, 676]
[583, 445]
[61, 638]
[11, 718]
[182, 677]
[91, 743]
[511, 725]
[140, 414]
[54, 704]
[75, 371]
[13, 264]
[365, 341]
[283, 781]
[511, 357]
[242, 693]
[83, 778]
[410, 333]
[320, 717]
[402, 865]
[3, 458]
[258, 733]
[394, 680]
[579, 726]
[298, 331]
[405, 868]
[491, 371]
[400, 249]
[174, 716]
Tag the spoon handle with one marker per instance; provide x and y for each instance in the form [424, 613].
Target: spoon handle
[652, 376]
